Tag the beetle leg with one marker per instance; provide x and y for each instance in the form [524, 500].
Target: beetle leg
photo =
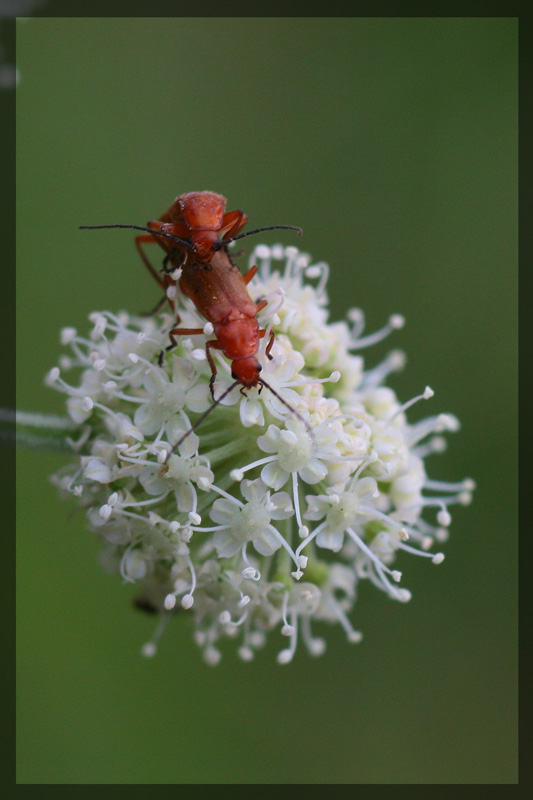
[156, 308]
[172, 257]
[252, 272]
[146, 238]
[270, 342]
[215, 345]
[177, 332]
[232, 223]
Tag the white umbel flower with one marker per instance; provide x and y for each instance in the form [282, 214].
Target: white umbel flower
[270, 514]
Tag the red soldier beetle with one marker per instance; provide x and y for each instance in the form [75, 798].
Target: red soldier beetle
[195, 232]
[192, 229]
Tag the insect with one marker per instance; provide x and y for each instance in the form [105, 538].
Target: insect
[195, 232]
[192, 229]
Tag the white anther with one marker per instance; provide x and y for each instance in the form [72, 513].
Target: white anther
[404, 595]
[243, 601]
[133, 357]
[194, 518]
[245, 653]
[428, 392]
[249, 572]
[99, 327]
[172, 292]
[67, 335]
[112, 499]
[170, 602]
[284, 656]
[335, 376]
[354, 637]
[355, 314]
[397, 321]
[105, 511]
[187, 600]
[212, 656]
[297, 574]
[444, 518]
[397, 359]
[186, 534]
[87, 404]
[438, 558]
[404, 536]
[448, 422]
[54, 374]
[198, 354]
[396, 575]
[176, 275]
[236, 475]
[174, 526]
[224, 617]
[287, 630]
[149, 650]
[208, 328]
[302, 562]
[316, 646]
[303, 532]
[110, 386]
[162, 457]
[99, 364]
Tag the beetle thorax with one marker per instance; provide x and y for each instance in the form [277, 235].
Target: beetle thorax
[239, 338]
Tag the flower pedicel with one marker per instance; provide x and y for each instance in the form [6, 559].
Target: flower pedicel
[262, 519]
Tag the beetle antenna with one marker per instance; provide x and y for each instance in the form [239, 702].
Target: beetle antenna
[224, 242]
[183, 242]
[287, 405]
[202, 417]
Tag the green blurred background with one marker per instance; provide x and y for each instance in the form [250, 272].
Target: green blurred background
[393, 143]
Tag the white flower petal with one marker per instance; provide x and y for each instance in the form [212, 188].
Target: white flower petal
[225, 544]
[269, 441]
[281, 506]
[330, 540]
[223, 511]
[267, 543]
[251, 412]
[274, 476]
[314, 471]
[97, 470]
[198, 398]
[185, 497]
[253, 491]
[146, 420]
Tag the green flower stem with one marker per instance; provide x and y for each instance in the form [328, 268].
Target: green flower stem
[41, 431]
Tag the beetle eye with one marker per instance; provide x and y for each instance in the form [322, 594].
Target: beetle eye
[234, 376]
[259, 368]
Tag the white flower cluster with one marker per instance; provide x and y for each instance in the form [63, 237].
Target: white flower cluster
[333, 490]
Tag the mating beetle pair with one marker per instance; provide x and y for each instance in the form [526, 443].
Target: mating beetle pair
[195, 232]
